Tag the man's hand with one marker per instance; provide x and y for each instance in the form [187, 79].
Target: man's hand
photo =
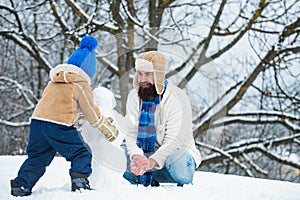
[140, 164]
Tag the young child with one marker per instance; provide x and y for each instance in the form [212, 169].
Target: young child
[52, 123]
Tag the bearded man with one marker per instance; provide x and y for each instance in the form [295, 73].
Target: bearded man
[159, 142]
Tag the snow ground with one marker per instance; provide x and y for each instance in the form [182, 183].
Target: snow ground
[109, 184]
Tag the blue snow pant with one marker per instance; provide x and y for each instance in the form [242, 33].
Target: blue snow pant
[179, 168]
[45, 140]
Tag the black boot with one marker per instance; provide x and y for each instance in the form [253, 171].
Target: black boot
[18, 190]
[137, 179]
[79, 181]
[155, 183]
[131, 178]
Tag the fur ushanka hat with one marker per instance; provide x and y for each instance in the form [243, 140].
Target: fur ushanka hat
[152, 61]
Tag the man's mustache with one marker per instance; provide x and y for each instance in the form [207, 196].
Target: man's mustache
[145, 84]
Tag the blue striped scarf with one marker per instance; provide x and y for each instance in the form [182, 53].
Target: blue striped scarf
[146, 137]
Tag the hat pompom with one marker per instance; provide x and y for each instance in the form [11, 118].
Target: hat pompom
[89, 42]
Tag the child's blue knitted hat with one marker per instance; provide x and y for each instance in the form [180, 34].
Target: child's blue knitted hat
[84, 57]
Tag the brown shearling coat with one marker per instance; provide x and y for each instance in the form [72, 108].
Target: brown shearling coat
[66, 95]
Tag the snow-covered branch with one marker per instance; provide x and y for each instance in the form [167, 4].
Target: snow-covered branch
[58, 17]
[271, 55]
[29, 45]
[205, 113]
[183, 65]
[254, 165]
[14, 124]
[254, 141]
[81, 13]
[260, 118]
[133, 19]
[274, 156]
[22, 90]
[264, 113]
[203, 58]
[111, 66]
[228, 156]
[252, 145]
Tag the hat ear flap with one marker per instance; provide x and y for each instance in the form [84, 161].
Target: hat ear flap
[135, 81]
[159, 79]
[159, 62]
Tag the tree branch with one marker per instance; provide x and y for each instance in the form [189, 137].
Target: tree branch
[253, 145]
[83, 15]
[241, 92]
[203, 59]
[228, 156]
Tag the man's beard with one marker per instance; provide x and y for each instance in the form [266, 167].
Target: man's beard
[147, 91]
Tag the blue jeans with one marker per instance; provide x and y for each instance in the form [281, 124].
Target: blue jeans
[179, 168]
[45, 139]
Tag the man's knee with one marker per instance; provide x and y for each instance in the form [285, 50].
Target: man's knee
[181, 166]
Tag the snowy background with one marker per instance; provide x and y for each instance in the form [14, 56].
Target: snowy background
[255, 80]
[109, 184]
[217, 77]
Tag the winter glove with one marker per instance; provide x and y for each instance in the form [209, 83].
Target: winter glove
[108, 129]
